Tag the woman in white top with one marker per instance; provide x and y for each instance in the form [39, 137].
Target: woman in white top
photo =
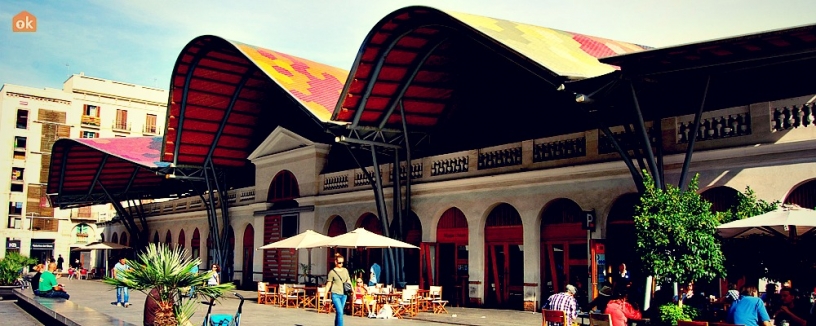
[214, 278]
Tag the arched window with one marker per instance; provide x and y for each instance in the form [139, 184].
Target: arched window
[181, 239]
[115, 238]
[168, 238]
[123, 240]
[284, 187]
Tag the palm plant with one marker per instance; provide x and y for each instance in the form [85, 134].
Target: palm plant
[167, 270]
[12, 265]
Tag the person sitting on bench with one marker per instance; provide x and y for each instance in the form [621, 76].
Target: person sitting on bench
[49, 287]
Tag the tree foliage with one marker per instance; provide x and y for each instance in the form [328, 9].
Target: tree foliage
[676, 234]
[12, 265]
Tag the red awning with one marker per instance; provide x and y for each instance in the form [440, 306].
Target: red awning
[220, 89]
[84, 169]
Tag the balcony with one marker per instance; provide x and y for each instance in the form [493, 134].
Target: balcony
[150, 130]
[90, 121]
[121, 126]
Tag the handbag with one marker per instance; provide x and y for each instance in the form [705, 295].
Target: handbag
[346, 286]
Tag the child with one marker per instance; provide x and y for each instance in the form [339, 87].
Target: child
[362, 297]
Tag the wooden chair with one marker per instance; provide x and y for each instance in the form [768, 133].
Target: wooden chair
[323, 303]
[600, 320]
[262, 292]
[553, 316]
[271, 294]
[288, 294]
[691, 323]
[437, 303]
[357, 305]
[408, 302]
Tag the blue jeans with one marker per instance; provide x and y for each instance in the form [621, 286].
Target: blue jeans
[122, 294]
[55, 294]
[339, 301]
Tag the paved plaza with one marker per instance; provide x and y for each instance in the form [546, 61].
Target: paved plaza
[98, 296]
[9, 311]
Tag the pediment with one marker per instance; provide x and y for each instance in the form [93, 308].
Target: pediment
[279, 141]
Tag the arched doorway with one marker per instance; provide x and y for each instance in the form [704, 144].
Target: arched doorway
[123, 240]
[281, 265]
[115, 238]
[803, 195]
[181, 239]
[722, 198]
[451, 263]
[168, 238]
[621, 239]
[248, 251]
[412, 229]
[155, 237]
[195, 245]
[364, 258]
[336, 227]
[563, 248]
[504, 239]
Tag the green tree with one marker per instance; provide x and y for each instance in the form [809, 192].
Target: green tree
[676, 234]
[757, 256]
[168, 270]
[12, 265]
[748, 205]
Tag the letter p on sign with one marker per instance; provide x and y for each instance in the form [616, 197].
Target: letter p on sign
[24, 22]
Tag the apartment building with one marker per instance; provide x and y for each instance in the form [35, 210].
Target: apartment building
[31, 120]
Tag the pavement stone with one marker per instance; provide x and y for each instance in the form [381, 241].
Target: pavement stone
[12, 314]
[98, 296]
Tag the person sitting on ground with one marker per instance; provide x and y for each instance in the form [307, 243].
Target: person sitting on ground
[35, 280]
[749, 310]
[794, 312]
[564, 301]
[49, 287]
[621, 310]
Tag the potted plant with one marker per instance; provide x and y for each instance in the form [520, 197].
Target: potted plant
[306, 271]
[10, 269]
[168, 270]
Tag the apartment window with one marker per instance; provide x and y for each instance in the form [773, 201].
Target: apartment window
[22, 119]
[15, 208]
[90, 134]
[19, 142]
[16, 187]
[17, 174]
[15, 222]
[121, 120]
[90, 115]
[150, 124]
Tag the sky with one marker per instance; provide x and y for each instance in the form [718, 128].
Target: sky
[138, 41]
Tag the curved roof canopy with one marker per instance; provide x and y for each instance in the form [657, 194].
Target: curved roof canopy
[411, 56]
[226, 97]
[83, 169]
[743, 70]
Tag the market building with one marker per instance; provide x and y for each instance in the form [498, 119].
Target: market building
[513, 186]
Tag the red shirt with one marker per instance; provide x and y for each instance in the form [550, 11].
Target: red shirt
[621, 311]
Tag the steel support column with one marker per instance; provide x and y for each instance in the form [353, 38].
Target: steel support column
[695, 129]
[647, 143]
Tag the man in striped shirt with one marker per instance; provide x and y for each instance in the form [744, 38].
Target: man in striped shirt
[564, 301]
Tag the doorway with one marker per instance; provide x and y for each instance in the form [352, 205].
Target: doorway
[249, 250]
[504, 281]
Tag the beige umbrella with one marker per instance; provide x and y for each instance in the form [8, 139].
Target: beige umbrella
[302, 240]
[789, 221]
[362, 238]
[103, 246]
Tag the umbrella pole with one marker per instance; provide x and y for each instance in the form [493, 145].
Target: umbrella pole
[309, 269]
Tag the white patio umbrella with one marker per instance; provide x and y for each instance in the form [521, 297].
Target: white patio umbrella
[789, 221]
[300, 241]
[106, 246]
[362, 238]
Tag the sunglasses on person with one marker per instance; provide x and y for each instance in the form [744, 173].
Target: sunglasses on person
[339, 262]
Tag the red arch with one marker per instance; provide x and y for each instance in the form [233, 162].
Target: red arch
[284, 186]
[561, 219]
[452, 227]
[370, 222]
[722, 198]
[181, 239]
[803, 194]
[168, 238]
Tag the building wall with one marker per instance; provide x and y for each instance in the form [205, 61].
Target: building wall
[78, 91]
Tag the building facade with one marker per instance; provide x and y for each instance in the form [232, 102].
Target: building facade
[33, 119]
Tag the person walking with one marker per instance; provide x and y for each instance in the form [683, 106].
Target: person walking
[60, 260]
[215, 279]
[337, 277]
[122, 292]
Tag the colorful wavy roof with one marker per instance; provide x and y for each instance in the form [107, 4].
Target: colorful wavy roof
[222, 90]
[567, 54]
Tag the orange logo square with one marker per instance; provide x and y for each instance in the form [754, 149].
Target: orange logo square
[24, 22]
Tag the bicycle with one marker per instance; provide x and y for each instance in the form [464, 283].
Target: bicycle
[223, 319]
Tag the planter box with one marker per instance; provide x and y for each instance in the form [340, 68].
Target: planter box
[7, 292]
